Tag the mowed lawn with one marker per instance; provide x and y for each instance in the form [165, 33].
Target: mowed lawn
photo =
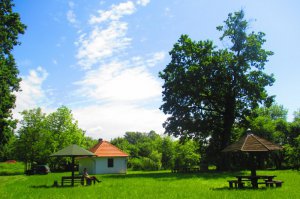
[156, 185]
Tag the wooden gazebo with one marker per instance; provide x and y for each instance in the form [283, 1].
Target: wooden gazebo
[252, 144]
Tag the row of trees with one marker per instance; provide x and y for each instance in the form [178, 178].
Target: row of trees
[40, 135]
[150, 151]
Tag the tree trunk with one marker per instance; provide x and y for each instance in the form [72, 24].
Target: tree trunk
[228, 121]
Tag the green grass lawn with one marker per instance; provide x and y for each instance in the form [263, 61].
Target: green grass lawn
[160, 184]
[11, 169]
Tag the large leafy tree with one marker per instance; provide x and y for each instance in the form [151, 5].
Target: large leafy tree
[40, 135]
[207, 90]
[10, 28]
[63, 129]
[32, 137]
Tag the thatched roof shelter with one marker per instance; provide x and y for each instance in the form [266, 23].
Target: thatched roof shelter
[252, 143]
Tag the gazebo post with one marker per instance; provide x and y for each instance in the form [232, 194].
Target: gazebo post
[253, 165]
[73, 162]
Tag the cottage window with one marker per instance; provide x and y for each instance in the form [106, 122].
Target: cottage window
[110, 162]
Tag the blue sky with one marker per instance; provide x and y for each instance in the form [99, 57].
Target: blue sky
[101, 58]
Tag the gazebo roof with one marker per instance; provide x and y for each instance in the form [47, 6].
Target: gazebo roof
[106, 149]
[252, 143]
[73, 150]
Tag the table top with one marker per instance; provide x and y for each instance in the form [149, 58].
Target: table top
[256, 177]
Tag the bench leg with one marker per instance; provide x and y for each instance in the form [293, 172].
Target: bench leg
[240, 185]
[230, 184]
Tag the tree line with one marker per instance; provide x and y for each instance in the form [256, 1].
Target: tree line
[150, 151]
[39, 135]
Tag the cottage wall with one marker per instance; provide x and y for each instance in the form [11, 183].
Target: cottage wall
[120, 165]
[89, 164]
[99, 165]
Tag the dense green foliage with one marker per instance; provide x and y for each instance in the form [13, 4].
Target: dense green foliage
[149, 151]
[162, 184]
[41, 135]
[292, 144]
[208, 90]
[10, 28]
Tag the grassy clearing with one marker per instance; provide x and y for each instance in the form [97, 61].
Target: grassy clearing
[11, 169]
[161, 184]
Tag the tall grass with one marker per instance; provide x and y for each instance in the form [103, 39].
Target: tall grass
[161, 184]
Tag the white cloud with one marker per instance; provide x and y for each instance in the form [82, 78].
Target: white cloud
[116, 81]
[102, 43]
[168, 12]
[32, 93]
[143, 2]
[157, 57]
[113, 120]
[112, 92]
[71, 17]
[115, 13]
[105, 39]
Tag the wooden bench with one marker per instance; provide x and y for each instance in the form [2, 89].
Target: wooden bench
[236, 184]
[271, 183]
[68, 180]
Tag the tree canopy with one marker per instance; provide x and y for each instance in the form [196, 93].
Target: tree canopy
[41, 135]
[207, 90]
[10, 28]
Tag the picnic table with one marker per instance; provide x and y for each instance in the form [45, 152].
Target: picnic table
[68, 180]
[78, 180]
[255, 180]
[268, 180]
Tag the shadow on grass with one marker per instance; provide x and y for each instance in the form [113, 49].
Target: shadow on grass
[43, 186]
[171, 176]
[56, 187]
[226, 188]
[4, 173]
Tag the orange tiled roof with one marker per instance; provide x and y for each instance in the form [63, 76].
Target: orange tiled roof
[106, 149]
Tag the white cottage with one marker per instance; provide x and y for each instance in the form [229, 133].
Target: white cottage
[109, 159]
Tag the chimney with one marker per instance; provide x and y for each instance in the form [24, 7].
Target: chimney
[100, 140]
